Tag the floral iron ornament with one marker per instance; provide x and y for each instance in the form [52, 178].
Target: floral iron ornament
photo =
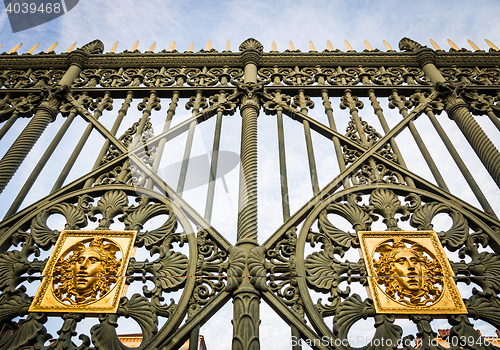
[409, 273]
[85, 272]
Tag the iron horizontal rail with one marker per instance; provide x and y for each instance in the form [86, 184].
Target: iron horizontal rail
[233, 59]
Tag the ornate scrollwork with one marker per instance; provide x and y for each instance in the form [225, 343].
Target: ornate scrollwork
[168, 271]
[371, 172]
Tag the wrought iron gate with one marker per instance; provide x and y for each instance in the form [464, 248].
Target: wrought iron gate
[193, 269]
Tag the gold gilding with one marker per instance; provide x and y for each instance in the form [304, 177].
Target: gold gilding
[84, 273]
[409, 273]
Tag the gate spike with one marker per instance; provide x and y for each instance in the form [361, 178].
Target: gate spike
[15, 48]
[71, 47]
[152, 48]
[435, 45]
[30, 51]
[347, 45]
[208, 46]
[113, 49]
[134, 47]
[474, 46]
[453, 45]
[290, 45]
[491, 45]
[387, 46]
[368, 46]
[0, 45]
[52, 47]
[329, 45]
[311, 46]
[273, 47]
[228, 46]
[171, 47]
[191, 47]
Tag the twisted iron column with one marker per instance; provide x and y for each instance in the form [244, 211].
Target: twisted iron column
[458, 111]
[246, 299]
[46, 113]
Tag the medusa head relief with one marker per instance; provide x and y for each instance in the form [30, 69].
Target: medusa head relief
[85, 272]
[409, 273]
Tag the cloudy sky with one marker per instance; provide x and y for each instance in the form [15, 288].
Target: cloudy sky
[162, 22]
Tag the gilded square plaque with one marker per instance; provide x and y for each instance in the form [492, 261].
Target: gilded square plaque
[85, 272]
[409, 273]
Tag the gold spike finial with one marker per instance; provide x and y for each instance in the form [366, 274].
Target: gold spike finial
[347, 45]
[491, 45]
[290, 46]
[30, 51]
[474, 46]
[0, 45]
[171, 47]
[134, 47]
[368, 46]
[52, 47]
[152, 48]
[208, 46]
[191, 47]
[311, 46]
[273, 47]
[329, 45]
[387, 46]
[435, 45]
[113, 49]
[453, 45]
[228, 46]
[71, 48]
[15, 48]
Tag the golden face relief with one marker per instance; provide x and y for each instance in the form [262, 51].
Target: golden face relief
[409, 273]
[408, 268]
[90, 271]
[88, 265]
[85, 272]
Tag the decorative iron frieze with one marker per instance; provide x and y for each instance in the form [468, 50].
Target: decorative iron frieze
[409, 273]
[85, 272]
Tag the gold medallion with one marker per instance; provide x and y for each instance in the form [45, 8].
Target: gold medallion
[409, 273]
[85, 272]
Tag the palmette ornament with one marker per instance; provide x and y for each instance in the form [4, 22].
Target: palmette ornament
[85, 272]
[409, 273]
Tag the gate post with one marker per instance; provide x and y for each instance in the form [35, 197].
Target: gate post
[457, 109]
[246, 299]
[46, 113]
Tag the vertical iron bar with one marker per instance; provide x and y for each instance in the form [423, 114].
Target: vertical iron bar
[194, 338]
[148, 104]
[460, 163]
[336, 142]
[310, 155]
[76, 152]
[8, 124]
[163, 140]
[396, 101]
[119, 118]
[40, 165]
[213, 168]
[185, 160]
[380, 114]
[283, 175]
[494, 119]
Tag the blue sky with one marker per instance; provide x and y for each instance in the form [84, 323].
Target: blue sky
[281, 21]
